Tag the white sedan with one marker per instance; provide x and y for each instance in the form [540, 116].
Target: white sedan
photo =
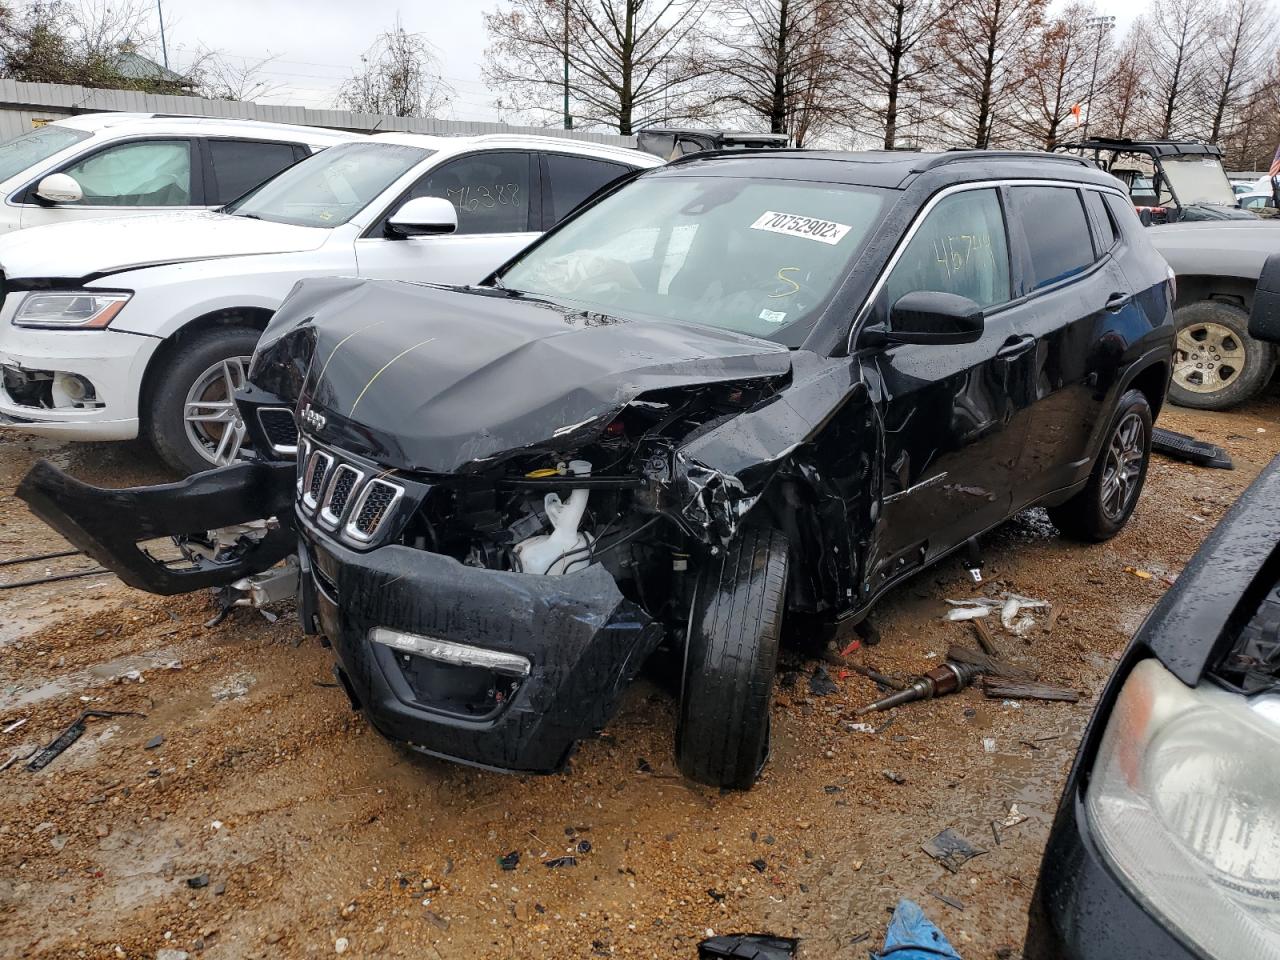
[144, 326]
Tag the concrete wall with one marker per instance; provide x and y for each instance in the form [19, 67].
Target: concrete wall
[23, 103]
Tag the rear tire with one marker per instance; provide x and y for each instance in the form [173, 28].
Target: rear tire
[1216, 363]
[196, 359]
[722, 734]
[1103, 507]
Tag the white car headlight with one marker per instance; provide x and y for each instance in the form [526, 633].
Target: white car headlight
[1184, 802]
[79, 309]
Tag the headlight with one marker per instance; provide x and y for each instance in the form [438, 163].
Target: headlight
[81, 309]
[1184, 802]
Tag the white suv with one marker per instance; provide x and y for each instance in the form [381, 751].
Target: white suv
[144, 326]
[113, 164]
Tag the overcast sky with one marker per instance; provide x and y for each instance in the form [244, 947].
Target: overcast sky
[316, 42]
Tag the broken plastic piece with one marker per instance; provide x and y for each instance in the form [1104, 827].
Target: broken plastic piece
[73, 732]
[951, 850]
[747, 946]
[912, 937]
[1179, 446]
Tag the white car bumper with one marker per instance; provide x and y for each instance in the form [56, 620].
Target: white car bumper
[72, 384]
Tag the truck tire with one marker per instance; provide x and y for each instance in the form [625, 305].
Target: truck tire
[205, 369]
[731, 654]
[1216, 363]
[1103, 507]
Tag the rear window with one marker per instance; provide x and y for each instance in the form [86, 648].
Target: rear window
[1058, 240]
[240, 165]
[1107, 231]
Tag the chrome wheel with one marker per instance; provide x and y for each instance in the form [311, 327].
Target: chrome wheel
[210, 415]
[1209, 357]
[1123, 467]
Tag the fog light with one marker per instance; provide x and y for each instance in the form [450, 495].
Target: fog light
[457, 654]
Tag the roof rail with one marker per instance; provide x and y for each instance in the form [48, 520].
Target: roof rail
[672, 144]
[962, 154]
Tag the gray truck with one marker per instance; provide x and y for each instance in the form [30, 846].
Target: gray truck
[1217, 364]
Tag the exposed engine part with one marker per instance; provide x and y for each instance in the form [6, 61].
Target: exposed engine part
[269, 587]
[566, 548]
[948, 678]
[218, 545]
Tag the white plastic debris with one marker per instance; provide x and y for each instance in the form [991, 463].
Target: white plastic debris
[970, 609]
[988, 744]
[1014, 818]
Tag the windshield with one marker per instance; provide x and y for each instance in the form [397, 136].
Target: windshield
[756, 256]
[331, 187]
[29, 149]
[1198, 180]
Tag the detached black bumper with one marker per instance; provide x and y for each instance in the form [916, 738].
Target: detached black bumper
[583, 641]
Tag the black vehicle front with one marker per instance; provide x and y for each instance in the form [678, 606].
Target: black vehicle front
[1166, 844]
[505, 495]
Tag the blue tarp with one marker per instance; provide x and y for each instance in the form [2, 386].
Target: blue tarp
[912, 937]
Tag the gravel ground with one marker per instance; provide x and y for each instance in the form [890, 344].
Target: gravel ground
[250, 813]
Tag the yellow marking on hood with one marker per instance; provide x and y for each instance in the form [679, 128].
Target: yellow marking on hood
[383, 370]
[342, 343]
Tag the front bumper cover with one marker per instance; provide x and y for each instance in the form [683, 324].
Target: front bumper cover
[585, 643]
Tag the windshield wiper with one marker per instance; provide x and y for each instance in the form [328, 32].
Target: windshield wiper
[247, 216]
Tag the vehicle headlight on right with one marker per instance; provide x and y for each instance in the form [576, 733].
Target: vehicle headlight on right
[70, 309]
[1184, 803]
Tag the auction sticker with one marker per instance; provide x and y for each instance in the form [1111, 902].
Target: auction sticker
[811, 228]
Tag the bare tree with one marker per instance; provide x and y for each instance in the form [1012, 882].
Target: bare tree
[220, 76]
[1179, 34]
[1241, 38]
[979, 44]
[776, 62]
[623, 63]
[1123, 94]
[1056, 73]
[399, 75]
[886, 40]
[1251, 143]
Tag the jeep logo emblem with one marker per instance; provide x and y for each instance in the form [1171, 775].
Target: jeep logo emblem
[313, 418]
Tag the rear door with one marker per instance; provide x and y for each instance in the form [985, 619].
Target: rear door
[952, 433]
[498, 197]
[1075, 293]
[234, 167]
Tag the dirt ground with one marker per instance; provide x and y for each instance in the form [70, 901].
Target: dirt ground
[250, 813]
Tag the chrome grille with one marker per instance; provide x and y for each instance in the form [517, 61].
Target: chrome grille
[373, 506]
[345, 479]
[317, 472]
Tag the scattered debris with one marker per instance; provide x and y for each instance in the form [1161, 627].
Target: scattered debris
[1014, 605]
[154, 742]
[198, 882]
[510, 861]
[859, 728]
[996, 688]
[821, 684]
[875, 676]
[912, 937]
[988, 744]
[988, 664]
[747, 946]
[1140, 574]
[435, 918]
[951, 850]
[14, 726]
[234, 687]
[969, 609]
[584, 846]
[949, 901]
[73, 732]
[985, 640]
[555, 862]
[894, 777]
[1179, 446]
[759, 865]
[948, 678]
[1014, 817]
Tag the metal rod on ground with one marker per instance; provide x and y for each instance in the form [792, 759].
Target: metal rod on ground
[948, 678]
[54, 579]
[36, 558]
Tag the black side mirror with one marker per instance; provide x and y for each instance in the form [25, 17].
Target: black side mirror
[1264, 320]
[931, 317]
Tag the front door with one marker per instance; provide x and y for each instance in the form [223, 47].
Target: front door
[952, 430]
[497, 195]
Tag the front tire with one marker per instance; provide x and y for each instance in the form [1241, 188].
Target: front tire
[722, 734]
[191, 418]
[1103, 507]
[1216, 363]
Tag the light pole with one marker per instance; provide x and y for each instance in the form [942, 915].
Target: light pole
[1103, 25]
[568, 118]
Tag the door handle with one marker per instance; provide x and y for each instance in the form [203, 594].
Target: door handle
[1015, 347]
[1117, 300]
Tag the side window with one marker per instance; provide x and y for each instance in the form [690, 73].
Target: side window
[573, 179]
[961, 248]
[1122, 214]
[153, 173]
[240, 165]
[490, 191]
[1108, 233]
[1057, 232]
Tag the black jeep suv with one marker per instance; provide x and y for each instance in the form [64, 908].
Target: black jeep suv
[743, 392]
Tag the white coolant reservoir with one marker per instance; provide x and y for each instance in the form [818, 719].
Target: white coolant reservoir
[565, 549]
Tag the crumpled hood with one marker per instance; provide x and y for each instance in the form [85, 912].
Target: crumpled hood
[445, 380]
[90, 247]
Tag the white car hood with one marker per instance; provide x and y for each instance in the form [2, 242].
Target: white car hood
[90, 247]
